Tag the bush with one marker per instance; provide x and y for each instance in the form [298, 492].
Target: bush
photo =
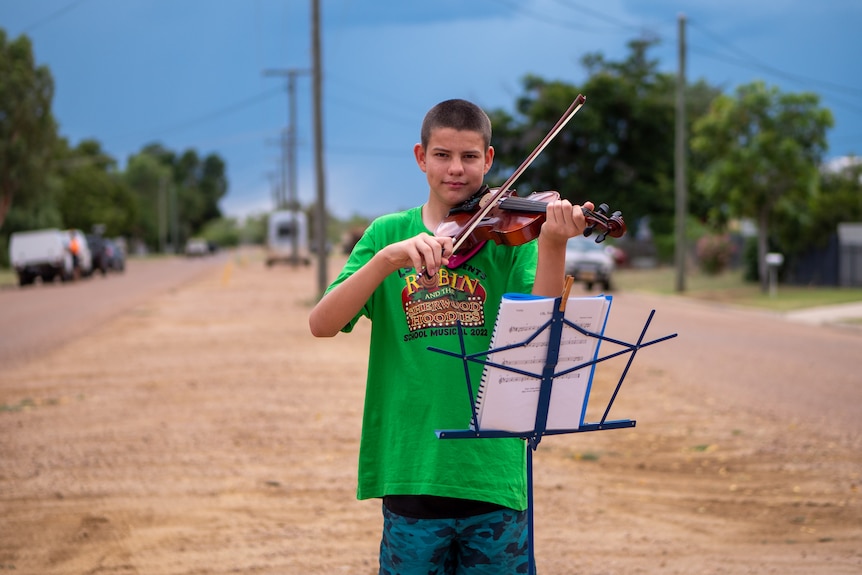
[223, 232]
[714, 253]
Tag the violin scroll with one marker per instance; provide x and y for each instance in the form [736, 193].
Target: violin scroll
[612, 225]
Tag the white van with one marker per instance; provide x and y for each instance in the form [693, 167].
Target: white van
[44, 254]
[287, 238]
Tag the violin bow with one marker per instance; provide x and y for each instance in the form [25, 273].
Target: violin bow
[558, 127]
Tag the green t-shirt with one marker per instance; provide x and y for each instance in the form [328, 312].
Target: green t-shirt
[411, 391]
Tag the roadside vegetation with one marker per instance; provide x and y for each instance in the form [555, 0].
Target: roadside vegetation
[730, 287]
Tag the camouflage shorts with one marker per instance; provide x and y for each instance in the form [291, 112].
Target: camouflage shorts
[490, 544]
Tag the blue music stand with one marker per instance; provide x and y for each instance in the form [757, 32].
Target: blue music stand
[555, 324]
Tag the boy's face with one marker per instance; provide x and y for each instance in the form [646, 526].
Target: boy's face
[455, 163]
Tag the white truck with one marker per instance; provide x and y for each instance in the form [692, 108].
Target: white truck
[287, 238]
[45, 254]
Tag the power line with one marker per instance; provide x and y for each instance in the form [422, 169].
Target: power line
[582, 9]
[231, 108]
[744, 59]
[750, 61]
[354, 107]
[365, 151]
[836, 101]
[53, 16]
[552, 20]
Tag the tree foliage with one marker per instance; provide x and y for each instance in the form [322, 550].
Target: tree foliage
[161, 196]
[761, 151]
[837, 199]
[180, 188]
[618, 149]
[27, 127]
[94, 192]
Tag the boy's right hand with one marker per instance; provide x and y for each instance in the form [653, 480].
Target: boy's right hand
[424, 252]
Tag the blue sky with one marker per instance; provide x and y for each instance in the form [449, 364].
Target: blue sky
[191, 73]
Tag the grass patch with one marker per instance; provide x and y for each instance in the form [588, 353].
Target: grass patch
[729, 287]
[587, 456]
[28, 404]
[22, 405]
[8, 277]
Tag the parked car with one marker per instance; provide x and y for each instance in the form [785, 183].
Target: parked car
[116, 256]
[99, 252]
[197, 247]
[40, 254]
[589, 262]
[621, 258]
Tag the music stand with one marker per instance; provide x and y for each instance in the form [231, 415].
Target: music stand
[555, 324]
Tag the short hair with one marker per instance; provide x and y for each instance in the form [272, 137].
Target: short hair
[458, 115]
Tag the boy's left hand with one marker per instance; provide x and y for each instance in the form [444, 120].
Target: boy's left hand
[564, 220]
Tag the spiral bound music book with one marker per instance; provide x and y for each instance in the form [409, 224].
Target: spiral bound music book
[508, 395]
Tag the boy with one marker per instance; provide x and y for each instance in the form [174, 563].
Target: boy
[449, 506]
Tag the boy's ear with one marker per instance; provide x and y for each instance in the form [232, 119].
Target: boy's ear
[419, 154]
[489, 158]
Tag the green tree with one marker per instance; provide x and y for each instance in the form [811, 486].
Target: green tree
[213, 185]
[94, 191]
[224, 232]
[202, 184]
[182, 198]
[148, 177]
[840, 198]
[194, 188]
[837, 199]
[618, 149]
[253, 229]
[190, 200]
[27, 127]
[761, 150]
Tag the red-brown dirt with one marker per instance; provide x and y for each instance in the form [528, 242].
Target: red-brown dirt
[204, 431]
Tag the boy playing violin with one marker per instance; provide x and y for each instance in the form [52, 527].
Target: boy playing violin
[448, 506]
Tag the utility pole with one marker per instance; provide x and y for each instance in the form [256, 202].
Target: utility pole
[288, 151]
[162, 209]
[679, 164]
[320, 220]
[276, 185]
[175, 219]
[279, 199]
[291, 137]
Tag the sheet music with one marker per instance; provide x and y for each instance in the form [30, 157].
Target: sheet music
[508, 401]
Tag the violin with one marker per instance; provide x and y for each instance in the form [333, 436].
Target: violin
[514, 221]
[505, 218]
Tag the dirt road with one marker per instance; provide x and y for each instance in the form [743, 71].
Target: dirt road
[37, 317]
[205, 431]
